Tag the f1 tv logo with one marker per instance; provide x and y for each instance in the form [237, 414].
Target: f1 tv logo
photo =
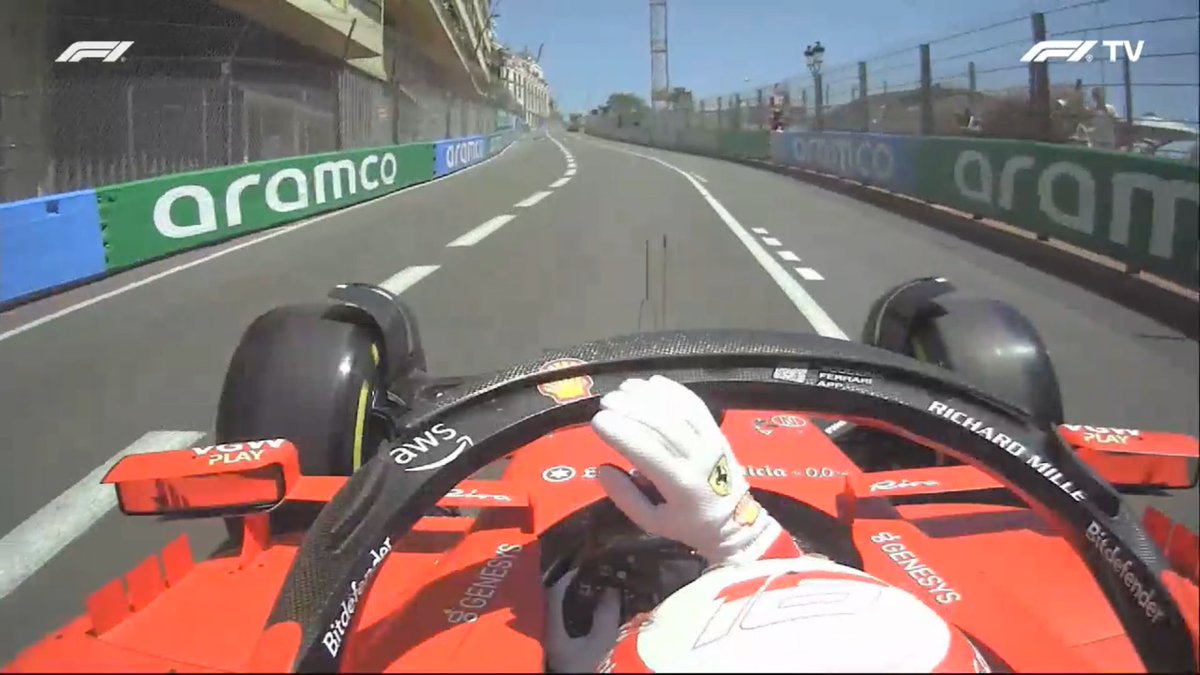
[1074, 51]
[106, 50]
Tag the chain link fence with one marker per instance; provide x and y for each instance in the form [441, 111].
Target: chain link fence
[974, 83]
[213, 88]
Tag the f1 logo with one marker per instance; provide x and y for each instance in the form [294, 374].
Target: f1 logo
[106, 50]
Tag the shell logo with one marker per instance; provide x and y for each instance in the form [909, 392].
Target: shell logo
[569, 389]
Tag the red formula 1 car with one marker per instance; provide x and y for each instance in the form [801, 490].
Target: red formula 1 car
[363, 542]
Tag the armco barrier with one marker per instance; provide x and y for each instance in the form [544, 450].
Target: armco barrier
[877, 159]
[744, 144]
[60, 240]
[48, 241]
[1141, 211]
[148, 219]
[459, 153]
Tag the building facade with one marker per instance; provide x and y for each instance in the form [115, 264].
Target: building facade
[526, 81]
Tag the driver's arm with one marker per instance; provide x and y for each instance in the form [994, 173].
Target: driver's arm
[669, 436]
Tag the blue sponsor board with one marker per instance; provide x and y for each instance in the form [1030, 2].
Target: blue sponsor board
[459, 153]
[49, 241]
[884, 160]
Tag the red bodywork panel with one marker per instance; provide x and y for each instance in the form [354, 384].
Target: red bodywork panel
[465, 595]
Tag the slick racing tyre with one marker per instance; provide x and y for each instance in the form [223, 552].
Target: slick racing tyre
[309, 379]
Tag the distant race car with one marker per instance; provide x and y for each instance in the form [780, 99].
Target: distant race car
[361, 541]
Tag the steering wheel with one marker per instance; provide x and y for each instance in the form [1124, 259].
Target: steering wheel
[500, 413]
[643, 568]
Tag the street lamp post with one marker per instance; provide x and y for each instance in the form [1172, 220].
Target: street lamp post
[815, 56]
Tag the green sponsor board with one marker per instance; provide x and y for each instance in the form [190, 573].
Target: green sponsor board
[748, 144]
[1139, 210]
[698, 140]
[150, 218]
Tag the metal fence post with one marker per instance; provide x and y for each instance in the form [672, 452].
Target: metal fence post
[862, 94]
[926, 91]
[820, 103]
[1039, 81]
[227, 75]
[129, 118]
[204, 125]
[1127, 77]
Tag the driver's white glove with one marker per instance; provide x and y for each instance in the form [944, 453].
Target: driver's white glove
[670, 437]
[565, 654]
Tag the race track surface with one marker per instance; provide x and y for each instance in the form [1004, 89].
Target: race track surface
[761, 251]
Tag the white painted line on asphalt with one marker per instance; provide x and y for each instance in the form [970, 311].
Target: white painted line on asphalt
[569, 172]
[400, 281]
[789, 256]
[476, 235]
[561, 182]
[71, 309]
[533, 199]
[809, 274]
[787, 283]
[759, 230]
[700, 178]
[772, 241]
[36, 541]
[140, 282]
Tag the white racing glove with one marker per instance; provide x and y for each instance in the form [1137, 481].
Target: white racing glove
[565, 654]
[668, 434]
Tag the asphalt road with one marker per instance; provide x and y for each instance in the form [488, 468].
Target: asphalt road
[78, 387]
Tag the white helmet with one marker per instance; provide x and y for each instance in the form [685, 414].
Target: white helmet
[804, 614]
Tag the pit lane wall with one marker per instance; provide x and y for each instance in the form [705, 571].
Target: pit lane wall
[1136, 209]
[58, 241]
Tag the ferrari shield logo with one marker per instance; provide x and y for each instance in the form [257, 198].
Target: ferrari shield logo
[718, 478]
[570, 389]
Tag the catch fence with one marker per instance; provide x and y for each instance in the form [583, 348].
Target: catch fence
[973, 83]
[215, 92]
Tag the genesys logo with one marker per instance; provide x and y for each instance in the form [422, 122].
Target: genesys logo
[1121, 561]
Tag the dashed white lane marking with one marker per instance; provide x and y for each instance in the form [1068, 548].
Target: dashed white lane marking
[32, 544]
[789, 256]
[759, 230]
[561, 182]
[772, 241]
[570, 171]
[476, 235]
[787, 283]
[400, 281]
[533, 199]
[702, 179]
[71, 309]
[809, 274]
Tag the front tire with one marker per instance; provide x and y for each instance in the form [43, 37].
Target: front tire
[309, 379]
